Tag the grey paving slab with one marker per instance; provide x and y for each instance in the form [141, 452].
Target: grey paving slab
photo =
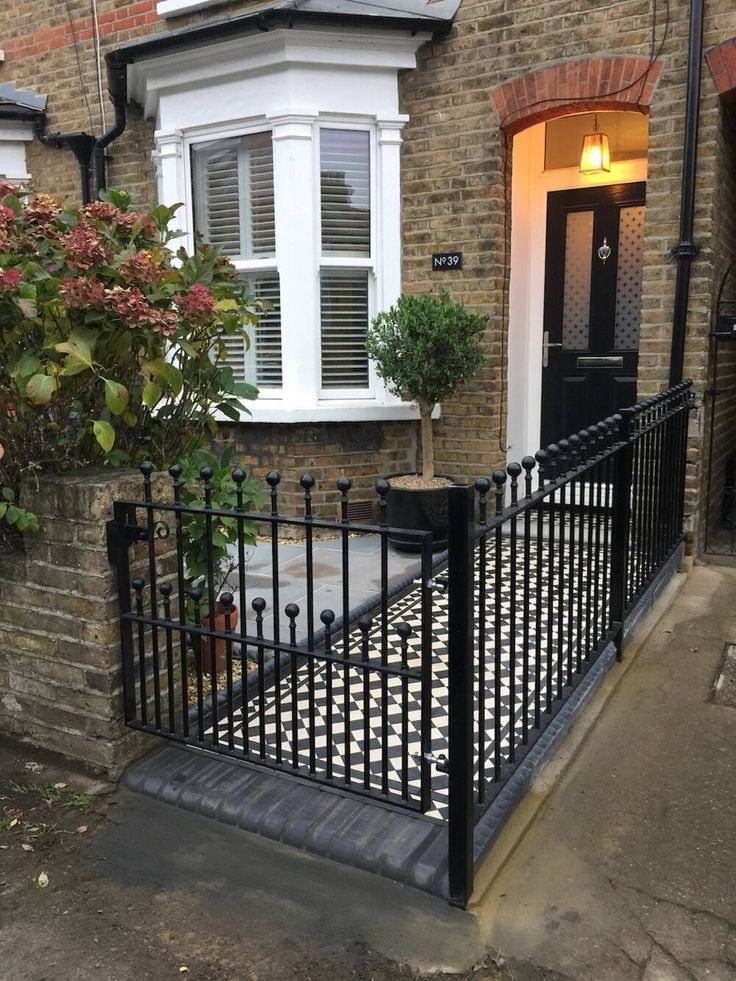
[365, 576]
[628, 871]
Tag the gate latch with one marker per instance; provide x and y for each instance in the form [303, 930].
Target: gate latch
[434, 585]
[436, 759]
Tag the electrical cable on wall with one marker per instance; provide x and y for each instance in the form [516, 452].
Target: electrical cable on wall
[79, 63]
[98, 63]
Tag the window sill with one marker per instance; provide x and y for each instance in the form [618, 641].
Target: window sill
[264, 410]
[175, 8]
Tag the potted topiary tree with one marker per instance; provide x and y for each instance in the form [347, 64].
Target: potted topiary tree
[425, 348]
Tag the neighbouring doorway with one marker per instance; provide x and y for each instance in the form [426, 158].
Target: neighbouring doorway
[592, 305]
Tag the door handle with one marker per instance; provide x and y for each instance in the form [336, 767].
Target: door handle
[546, 345]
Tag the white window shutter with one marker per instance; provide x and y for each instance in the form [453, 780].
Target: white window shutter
[234, 204]
[234, 210]
[345, 192]
[344, 307]
[265, 351]
[217, 194]
[258, 195]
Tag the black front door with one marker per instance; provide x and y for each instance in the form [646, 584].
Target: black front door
[592, 305]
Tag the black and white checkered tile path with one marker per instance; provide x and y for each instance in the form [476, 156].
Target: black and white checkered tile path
[341, 694]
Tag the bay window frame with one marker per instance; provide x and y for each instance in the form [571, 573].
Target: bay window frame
[341, 79]
[247, 268]
[363, 264]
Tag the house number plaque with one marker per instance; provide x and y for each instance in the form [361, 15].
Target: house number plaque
[446, 260]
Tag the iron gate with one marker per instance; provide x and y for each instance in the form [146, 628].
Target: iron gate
[330, 697]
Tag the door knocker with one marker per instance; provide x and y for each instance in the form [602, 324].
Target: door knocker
[604, 251]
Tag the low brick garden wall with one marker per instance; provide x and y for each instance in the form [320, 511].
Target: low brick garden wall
[60, 668]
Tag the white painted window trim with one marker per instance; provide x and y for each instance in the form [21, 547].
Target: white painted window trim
[14, 135]
[531, 184]
[346, 79]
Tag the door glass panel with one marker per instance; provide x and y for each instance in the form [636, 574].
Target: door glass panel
[628, 282]
[576, 304]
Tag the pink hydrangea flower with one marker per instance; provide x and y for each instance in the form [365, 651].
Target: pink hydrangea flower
[6, 215]
[196, 304]
[100, 211]
[85, 247]
[129, 303]
[7, 188]
[142, 269]
[167, 323]
[79, 292]
[9, 279]
[127, 219]
[41, 210]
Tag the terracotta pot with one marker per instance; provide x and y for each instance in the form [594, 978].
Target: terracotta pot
[220, 642]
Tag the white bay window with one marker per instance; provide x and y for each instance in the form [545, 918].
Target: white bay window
[234, 211]
[284, 147]
[345, 263]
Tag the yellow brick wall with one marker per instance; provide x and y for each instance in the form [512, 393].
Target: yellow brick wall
[455, 173]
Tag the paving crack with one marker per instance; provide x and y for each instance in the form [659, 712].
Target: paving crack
[693, 910]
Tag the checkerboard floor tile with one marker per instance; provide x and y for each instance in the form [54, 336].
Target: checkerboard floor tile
[361, 727]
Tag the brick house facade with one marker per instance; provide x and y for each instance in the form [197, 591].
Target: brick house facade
[471, 117]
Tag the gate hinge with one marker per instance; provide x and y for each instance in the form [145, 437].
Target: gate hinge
[125, 534]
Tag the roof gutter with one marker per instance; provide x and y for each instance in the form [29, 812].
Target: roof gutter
[23, 114]
[211, 32]
[685, 250]
[265, 20]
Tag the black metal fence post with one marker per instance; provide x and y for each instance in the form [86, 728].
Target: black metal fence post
[621, 526]
[460, 694]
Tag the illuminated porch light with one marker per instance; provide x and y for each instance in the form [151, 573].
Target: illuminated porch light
[596, 156]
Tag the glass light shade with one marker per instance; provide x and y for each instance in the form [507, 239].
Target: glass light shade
[596, 156]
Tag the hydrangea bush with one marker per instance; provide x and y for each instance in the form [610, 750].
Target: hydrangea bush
[111, 344]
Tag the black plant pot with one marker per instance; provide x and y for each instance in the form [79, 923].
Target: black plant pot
[417, 509]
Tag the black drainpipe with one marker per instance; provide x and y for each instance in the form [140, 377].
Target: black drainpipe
[81, 145]
[117, 85]
[90, 151]
[685, 250]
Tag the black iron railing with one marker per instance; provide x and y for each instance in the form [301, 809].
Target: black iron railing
[546, 560]
[541, 584]
[293, 687]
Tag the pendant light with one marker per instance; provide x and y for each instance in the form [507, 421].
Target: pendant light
[596, 157]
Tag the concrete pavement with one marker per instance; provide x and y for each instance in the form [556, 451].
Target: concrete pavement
[628, 871]
[619, 864]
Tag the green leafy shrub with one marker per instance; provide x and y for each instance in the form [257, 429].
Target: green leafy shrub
[224, 535]
[425, 348]
[111, 345]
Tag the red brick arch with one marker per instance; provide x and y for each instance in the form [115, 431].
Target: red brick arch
[587, 85]
[722, 61]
